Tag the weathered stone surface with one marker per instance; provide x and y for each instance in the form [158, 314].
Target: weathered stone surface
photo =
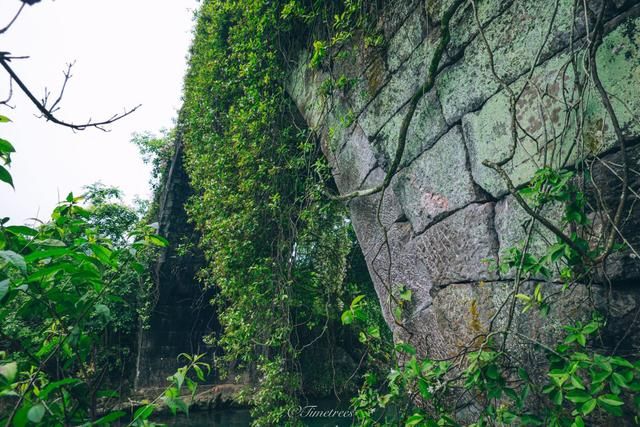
[622, 266]
[515, 39]
[618, 60]
[450, 251]
[427, 191]
[304, 86]
[354, 162]
[406, 39]
[396, 13]
[400, 88]
[512, 223]
[463, 23]
[548, 134]
[427, 125]
[436, 227]
[403, 269]
[455, 249]
[461, 313]
[364, 212]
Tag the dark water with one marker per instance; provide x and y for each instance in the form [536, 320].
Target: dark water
[311, 416]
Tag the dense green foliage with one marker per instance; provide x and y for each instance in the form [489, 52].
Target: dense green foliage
[70, 293]
[583, 382]
[277, 251]
[68, 309]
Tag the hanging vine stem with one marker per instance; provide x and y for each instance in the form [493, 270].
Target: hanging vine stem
[428, 84]
[615, 222]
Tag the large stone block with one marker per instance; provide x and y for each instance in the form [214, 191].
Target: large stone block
[364, 212]
[438, 182]
[604, 188]
[515, 38]
[463, 24]
[303, 86]
[512, 224]
[547, 131]
[461, 315]
[400, 88]
[427, 125]
[408, 37]
[354, 162]
[456, 248]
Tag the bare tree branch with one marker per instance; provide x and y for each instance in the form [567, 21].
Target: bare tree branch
[48, 113]
[5, 102]
[4, 30]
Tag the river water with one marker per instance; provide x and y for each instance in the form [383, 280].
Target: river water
[312, 416]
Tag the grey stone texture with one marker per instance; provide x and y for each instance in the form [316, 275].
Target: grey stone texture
[427, 192]
[446, 217]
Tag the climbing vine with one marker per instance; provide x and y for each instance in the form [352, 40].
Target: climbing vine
[277, 250]
[277, 243]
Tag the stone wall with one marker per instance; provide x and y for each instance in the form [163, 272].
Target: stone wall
[445, 213]
[181, 314]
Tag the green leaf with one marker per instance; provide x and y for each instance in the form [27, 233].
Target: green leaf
[109, 418]
[423, 387]
[619, 361]
[599, 376]
[199, 372]
[356, 300]
[405, 348]
[397, 313]
[414, 420]
[159, 241]
[49, 253]
[6, 147]
[143, 412]
[36, 413]
[578, 396]
[45, 392]
[610, 399]
[4, 119]
[15, 259]
[5, 176]
[492, 372]
[618, 379]
[51, 243]
[530, 420]
[9, 371]
[347, 317]
[405, 295]
[103, 312]
[21, 420]
[22, 229]
[575, 381]
[102, 253]
[588, 407]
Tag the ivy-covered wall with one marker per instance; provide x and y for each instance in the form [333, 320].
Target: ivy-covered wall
[448, 219]
[487, 152]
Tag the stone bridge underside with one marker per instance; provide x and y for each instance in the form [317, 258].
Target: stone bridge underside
[445, 214]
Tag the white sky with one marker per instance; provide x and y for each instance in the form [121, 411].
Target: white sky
[127, 52]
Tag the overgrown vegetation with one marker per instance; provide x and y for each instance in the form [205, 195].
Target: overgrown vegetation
[70, 293]
[277, 250]
[291, 287]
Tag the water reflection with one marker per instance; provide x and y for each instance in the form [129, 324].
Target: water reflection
[242, 418]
